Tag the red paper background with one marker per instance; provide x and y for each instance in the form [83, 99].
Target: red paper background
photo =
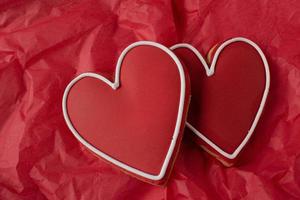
[44, 44]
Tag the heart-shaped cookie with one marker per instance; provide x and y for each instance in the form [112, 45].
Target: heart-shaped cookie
[136, 121]
[228, 94]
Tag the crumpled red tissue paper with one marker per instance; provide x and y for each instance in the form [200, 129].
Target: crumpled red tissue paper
[44, 44]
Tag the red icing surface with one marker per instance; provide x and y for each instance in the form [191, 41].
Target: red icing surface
[135, 123]
[43, 46]
[224, 105]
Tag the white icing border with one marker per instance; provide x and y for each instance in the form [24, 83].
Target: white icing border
[210, 70]
[115, 85]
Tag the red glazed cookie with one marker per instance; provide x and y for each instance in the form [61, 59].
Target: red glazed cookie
[135, 122]
[228, 95]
